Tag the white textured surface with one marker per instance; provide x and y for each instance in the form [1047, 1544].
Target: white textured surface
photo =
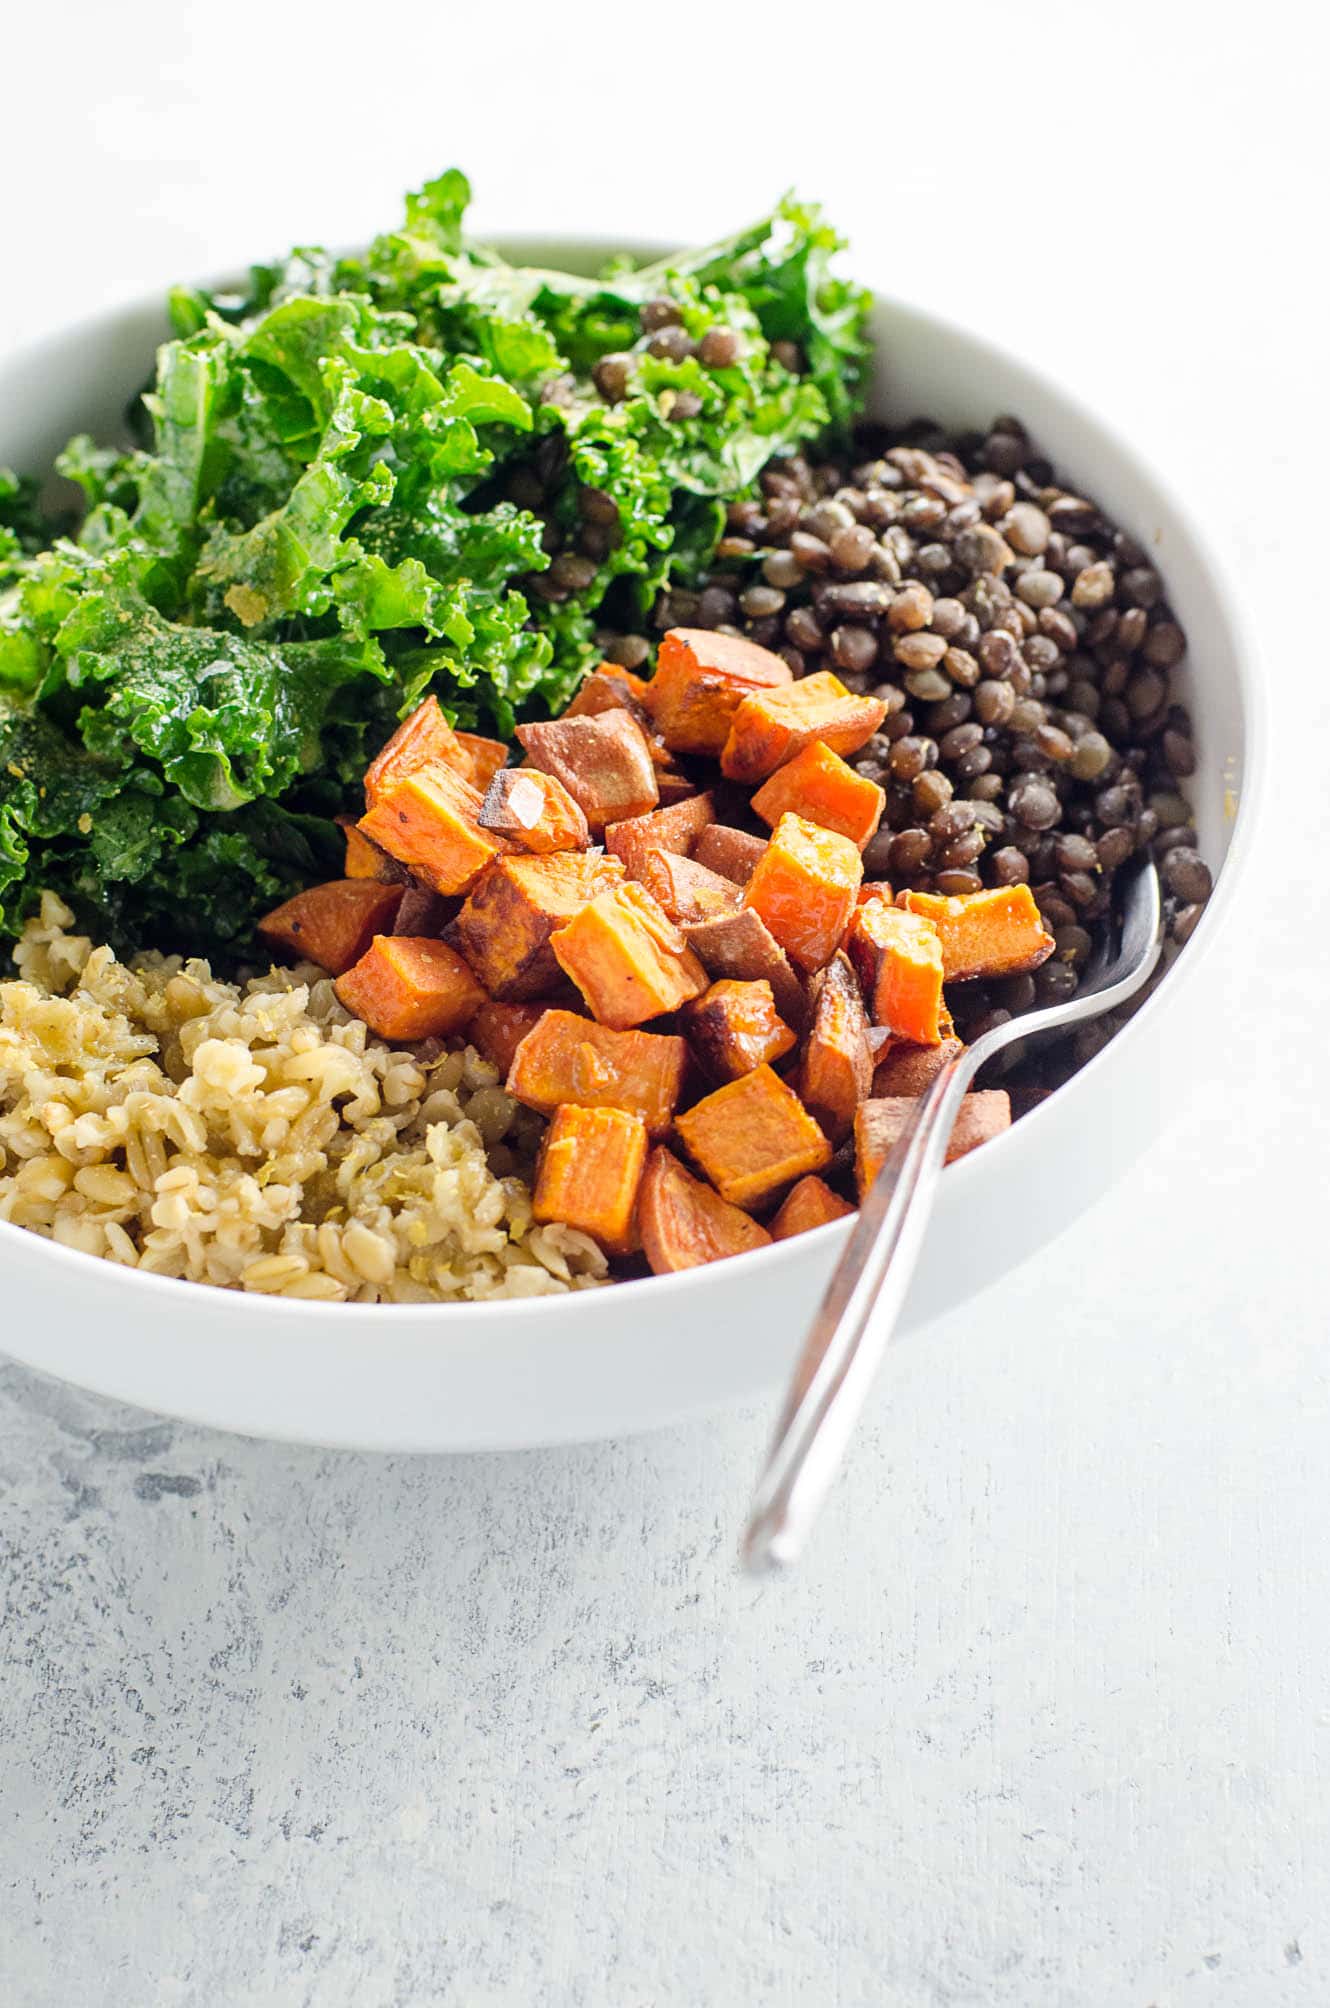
[1044, 1718]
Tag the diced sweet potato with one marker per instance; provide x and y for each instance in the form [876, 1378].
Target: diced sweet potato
[877, 1125]
[836, 1066]
[772, 726]
[515, 907]
[804, 887]
[676, 828]
[991, 933]
[740, 945]
[734, 1027]
[332, 924]
[590, 1170]
[608, 688]
[481, 759]
[628, 960]
[819, 786]
[535, 810]
[674, 785]
[684, 1223]
[419, 741]
[898, 959]
[604, 762]
[569, 1059]
[732, 853]
[701, 678]
[497, 1030]
[422, 911]
[428, 821]
[752, 1137]
[407, 987]
[873, 889]
[365, 860]
[811, 1203]
[686, 890]
[907, 1070]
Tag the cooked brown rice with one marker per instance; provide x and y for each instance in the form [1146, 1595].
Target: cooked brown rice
[259, 1137]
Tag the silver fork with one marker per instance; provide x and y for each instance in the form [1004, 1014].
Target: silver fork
[858, 1314]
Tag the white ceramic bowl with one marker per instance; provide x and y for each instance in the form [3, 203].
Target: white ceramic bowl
[602, 1363]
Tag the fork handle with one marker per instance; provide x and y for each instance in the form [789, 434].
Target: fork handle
[854, 1323]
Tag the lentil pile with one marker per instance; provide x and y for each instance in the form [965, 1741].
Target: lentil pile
[1023, 645]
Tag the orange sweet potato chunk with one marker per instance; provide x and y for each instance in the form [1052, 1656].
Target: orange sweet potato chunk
[516, 906]
[497, 1030]
[608, 688]
[752, 1137]
[428, 821]
[423, 738]
[992, 933]
[739, 945]
[534, 810]
[811, 1203]
[686, 890]
[877, 1125]
[898, 959]
[836, 1067]
[733, 1027]
[480, 759]
[629, 960]
[908, 1070]
[332, 924]
[590, 1170]
[365, 860]
[772, 726]
[676, 828]
[701, 679]
[819, 786]
[684, 1223]
[604, 762]
[567, 1059]
[410, 987]
[804, 889]
[732, 853]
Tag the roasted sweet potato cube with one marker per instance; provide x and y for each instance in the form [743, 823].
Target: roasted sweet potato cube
[604, 762]
[701, 678]
[873, 889]
[422, 911]
[684, 1223]
[898, 959]
[732, 853]
[733, 1027]
[686, 890]
[629, 961]
[332, 924]
[565, 1058]
[590, 1169]
[419, 741]
[365, 860]
[811, 1203]
[907, 1070]
[803, 888]
[535, 810]
[608, 688]
[752, 1137]
[408, 987]
[819, 786]
[991, 933]
[514, 908]
[772, 726]
[676, 828]
[878, 1124]
[836, 1066]
[739, 945]
[481, 759]
[497, 1030]
[428, 821]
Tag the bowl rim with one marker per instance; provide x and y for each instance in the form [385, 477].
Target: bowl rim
[1142, 472]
